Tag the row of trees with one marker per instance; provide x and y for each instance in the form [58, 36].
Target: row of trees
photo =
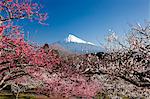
[127, 58]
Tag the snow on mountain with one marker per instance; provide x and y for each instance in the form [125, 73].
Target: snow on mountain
[72, 38]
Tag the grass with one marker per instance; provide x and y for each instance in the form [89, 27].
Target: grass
[34, 96]
[21, 96]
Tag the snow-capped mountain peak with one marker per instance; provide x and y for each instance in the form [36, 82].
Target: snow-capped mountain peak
[73, 38]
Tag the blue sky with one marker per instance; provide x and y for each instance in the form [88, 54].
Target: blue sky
[87, 19]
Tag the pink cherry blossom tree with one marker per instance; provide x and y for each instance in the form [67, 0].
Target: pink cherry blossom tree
[24, 66]
[20, 9]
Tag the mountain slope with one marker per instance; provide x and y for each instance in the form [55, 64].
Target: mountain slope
[76, 45]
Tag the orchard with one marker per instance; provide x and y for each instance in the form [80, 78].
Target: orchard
[122, 71]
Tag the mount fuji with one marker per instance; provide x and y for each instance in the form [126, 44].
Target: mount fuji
[75, 44]
[73, 38]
